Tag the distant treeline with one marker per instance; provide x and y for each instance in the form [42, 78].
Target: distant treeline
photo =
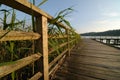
[105, 33]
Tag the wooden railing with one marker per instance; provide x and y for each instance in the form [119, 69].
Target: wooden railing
[40, 36]
[109, 40]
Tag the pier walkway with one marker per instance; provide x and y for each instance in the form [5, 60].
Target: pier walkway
[91, 60]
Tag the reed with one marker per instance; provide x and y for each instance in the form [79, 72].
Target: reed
[13, 50]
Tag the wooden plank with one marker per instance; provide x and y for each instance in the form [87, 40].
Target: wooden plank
[72, 47]
[58, 78]
[55, 68]
[6, 69]
[62, 26]
[66, 75]
[95, 60]
[103, 48]
[57, 36]
[72, 40]
[71, 43]
[42, 44]
[112, 64]
[68, 40]
[92, 74]
[100, 52]
[59, 46]
[57, 58]
[36, 76]
[94, 69]
[18, 35]
[102, 56]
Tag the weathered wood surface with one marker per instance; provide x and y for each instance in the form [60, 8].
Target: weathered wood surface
[9, 68]
[57, 36]
[91, 61]
[57, 58]
[36, 76]
[42, 45]
[17, 35]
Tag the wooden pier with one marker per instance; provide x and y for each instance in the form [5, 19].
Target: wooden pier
[91, 61]
[83, 60]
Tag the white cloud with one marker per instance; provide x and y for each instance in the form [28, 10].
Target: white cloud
[111, 14]
[101, 22]
[108, 21]
[99, 26]
[104, 25]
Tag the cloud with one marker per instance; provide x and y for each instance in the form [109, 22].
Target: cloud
[111, 14]
[108, 21]
[101, 22]
[103, 25]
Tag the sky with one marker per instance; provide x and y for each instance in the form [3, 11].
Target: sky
[88, 15]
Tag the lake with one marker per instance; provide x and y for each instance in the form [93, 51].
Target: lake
[105, 37]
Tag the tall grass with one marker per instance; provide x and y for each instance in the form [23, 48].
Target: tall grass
[10, 45]
[11, 49]
[14, 50]
[56, 30]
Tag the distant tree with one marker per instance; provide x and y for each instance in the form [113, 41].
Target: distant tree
[105, 33]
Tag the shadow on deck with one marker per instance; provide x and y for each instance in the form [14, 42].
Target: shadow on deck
[91, 61]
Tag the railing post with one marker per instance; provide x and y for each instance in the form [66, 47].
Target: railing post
[68, 39]
[75, 38]
[42, 45]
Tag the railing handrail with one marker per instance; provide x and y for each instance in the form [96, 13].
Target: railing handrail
[29, 8]
[41, 36]
[107, 37]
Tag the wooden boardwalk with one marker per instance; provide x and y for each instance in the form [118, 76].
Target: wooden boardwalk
[91, 60]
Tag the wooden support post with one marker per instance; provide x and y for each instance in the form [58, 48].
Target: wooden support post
[42, 45]
[68, 40]
[75, 38]
[119, 42]
[101, 40]
[107, 41]
[116, 41]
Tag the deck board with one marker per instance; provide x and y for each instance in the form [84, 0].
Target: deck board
[93, 61]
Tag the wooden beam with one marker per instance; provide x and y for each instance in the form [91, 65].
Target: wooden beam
[57, 58]
[57, 36]
[9, 68]
[62, 25]
[59, 46]
[36, 76]
[42, 44]
[55, 68]
[25, 6]
[72, 40]
[68, 40]
[72, 47]
[18, 35]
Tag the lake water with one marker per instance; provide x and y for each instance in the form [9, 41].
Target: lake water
[104, 41]
[113, 37]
